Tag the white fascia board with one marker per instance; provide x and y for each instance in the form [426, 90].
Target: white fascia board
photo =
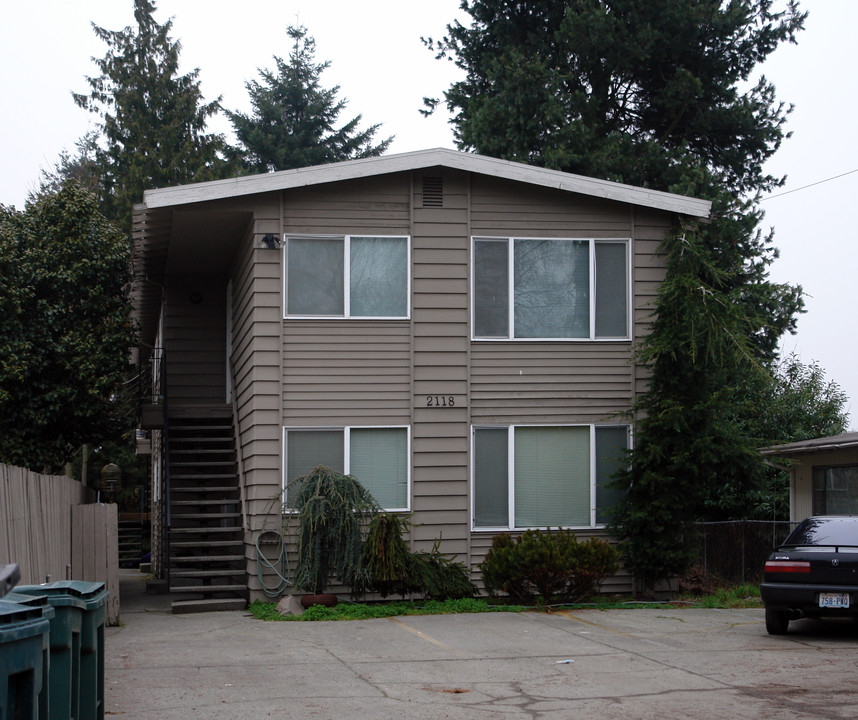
[404, 162]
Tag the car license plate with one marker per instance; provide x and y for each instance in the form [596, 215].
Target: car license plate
[833, 600]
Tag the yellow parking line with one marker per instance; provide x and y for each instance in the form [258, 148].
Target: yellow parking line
[572, 616]
[424, 636]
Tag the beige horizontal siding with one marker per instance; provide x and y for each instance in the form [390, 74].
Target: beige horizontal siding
[195, 339]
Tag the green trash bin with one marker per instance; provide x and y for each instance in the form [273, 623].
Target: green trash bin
[77, 647]
[22, 637]
[48, 613]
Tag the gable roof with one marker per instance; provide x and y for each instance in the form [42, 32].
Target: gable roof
[421, 159]
[832, 442]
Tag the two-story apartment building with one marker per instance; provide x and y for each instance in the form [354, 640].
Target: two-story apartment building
[454, 330]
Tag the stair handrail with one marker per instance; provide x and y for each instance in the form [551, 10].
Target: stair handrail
[242, 494]
[160, 388]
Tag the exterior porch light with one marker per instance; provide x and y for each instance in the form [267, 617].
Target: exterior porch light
[271, 242]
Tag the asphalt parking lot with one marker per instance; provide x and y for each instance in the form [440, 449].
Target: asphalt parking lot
[665, 663]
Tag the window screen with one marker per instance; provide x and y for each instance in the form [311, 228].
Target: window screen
[612, 290]
[491, 477]
[314, 276]
[552, 476]
[379, 459]
[611, 446]
[378, 277]
[306, 449]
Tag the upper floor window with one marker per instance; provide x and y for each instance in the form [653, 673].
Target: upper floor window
[550, 288]
[351, 276]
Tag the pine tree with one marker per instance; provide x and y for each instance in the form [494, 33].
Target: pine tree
[294, 118]
[153, 119]
[651, 93]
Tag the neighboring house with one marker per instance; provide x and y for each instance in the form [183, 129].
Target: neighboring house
[823, 475]
[456, 331]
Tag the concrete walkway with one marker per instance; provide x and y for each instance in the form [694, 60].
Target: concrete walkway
[664, 663]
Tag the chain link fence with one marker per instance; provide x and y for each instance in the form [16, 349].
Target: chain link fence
[736, 551]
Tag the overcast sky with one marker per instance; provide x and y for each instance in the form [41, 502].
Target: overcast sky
[384, 71]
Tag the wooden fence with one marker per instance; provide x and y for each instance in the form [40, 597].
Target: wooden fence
[48, 528]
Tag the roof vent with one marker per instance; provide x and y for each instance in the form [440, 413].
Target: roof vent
[433, 192]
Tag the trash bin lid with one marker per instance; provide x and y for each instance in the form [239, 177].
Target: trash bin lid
[19, 622]
[69, 592]
[13, 614]
[39, 601]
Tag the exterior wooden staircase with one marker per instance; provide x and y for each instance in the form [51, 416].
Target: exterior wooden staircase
[206, 545]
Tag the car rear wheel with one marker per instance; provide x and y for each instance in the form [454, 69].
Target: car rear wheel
[777, 621]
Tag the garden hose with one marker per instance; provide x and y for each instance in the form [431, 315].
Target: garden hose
[279, 565]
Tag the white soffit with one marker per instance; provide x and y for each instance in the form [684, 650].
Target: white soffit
[404, 162]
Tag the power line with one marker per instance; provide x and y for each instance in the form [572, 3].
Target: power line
[804, 187]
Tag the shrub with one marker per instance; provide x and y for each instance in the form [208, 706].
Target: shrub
[391, 568]
[440, 578]
[386, 557]
[548, 565]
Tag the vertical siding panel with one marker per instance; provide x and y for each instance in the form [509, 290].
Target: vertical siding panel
[441, 359]
[256, 361]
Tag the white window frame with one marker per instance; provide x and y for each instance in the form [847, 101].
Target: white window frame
[510, 241]
[510, 428]
[346, 276]
[346, 434]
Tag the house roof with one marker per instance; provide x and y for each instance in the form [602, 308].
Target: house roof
[832, 442]
[438, 157]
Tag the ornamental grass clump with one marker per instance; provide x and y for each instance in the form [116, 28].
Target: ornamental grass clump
[547, 567]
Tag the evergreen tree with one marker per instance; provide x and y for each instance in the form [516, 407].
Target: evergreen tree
[642, 92]
[65, 327]
[649, 92]
[293, 123]
[153, 119]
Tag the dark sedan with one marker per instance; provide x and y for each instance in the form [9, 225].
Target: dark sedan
[813, 573]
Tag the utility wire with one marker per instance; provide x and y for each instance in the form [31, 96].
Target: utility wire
[804, 187]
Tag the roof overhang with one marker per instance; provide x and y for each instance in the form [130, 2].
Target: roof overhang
[438, 157]
[832, 442]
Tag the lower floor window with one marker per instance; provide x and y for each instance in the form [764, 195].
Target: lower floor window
[377, 456]
[835, 490]
[545, 476]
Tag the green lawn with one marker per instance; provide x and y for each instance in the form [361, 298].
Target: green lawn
[742, 596]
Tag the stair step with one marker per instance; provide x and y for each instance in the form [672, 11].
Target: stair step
[208, 605]
[212, 463]
[205, 573]
[186, 503]
[199, 530]
[203, 544]
[206, 558]
[225, 437]
[207, 589]
[205, 516]
[194, 476]
[205, 489]
[199, 451]
[177, 426]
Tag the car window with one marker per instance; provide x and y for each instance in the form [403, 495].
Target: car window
[825, 531]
